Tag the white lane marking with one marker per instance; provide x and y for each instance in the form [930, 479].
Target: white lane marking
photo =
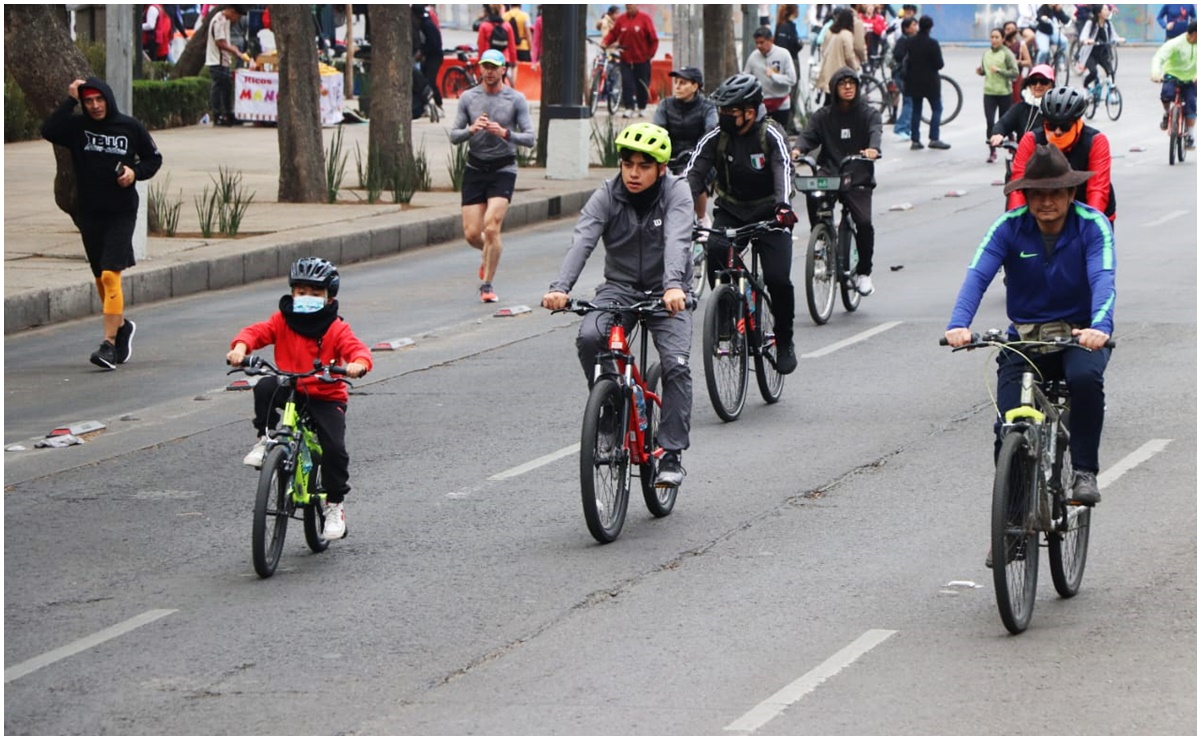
[775, 704]
[1165, 219]
[533, 464]
[91, 641]
[851, 340]
[1128, 463]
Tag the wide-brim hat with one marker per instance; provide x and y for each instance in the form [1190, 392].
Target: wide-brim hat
[1048, 169]
[692, 74]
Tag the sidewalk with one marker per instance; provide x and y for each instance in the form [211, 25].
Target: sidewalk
[47, 278]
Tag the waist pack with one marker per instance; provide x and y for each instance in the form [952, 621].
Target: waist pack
[773, 104]
[490, 165]
[1046, 332]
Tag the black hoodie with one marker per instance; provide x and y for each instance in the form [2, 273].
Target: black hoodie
[96, 148]
[840, 133]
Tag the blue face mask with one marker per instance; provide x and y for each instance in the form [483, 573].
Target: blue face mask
[307, 303]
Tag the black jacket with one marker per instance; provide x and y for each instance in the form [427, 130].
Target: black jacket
[924, 61]
[1019, 119]
[687, 122]
[754, 170]
[840, 133]
[96, 148]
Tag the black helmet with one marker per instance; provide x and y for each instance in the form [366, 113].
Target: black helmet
[1063, 105]
[739, 91]
[315, 271]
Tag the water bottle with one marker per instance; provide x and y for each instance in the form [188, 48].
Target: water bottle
[640, 401]
[750, 299]
[306, 458]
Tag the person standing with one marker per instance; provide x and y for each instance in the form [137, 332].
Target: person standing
[838, 49]
[110, 152]
[497, 35]
[156, 32]
[999, 68]
[486, 118]
[519, 21]
[536, 38]
[634, 32]
[774, 68]
[900, 67]
[924, 57]
[1174, 19]
[788, 36]
[218, 57]
[429, 53]
[605, 24]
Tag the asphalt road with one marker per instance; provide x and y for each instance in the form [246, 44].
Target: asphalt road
[822, 572]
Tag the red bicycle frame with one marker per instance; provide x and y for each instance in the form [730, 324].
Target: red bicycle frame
[619, 352]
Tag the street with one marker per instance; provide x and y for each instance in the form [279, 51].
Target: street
[822, 573]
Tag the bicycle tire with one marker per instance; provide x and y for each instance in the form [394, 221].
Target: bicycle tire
[455, 82]
[1014, 540]
[1175, 140]
[725, 352]
[613, 82]
[769, 379]
[1067, 550]
[272, 508]
[1090, 105]
[314, 516]
[848, 261]
[958, 97]
[1113, 57]
[1063, 68]
[821, 272]
[700, 277]
[876, 97]
[1113, 101]
[659, 501]
[605, 478]
[594, 92]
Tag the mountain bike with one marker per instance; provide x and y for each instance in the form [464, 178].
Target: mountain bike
[1031, 490]
[832, 256]
[738, 323]
[604, 81]
[290, 478]
[461, 77]
[1177, 128]
[621, 419]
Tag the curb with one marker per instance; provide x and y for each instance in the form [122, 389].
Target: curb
[245, 263]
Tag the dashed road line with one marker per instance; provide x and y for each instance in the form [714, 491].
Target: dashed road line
[29, 666]
[1166, 218]
[851, 340]
[534, 464]
[1131, 461]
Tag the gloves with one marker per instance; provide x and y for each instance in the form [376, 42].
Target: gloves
[785, 216]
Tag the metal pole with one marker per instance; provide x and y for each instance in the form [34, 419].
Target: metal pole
[571, 56]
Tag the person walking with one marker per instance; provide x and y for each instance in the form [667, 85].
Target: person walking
[110, 152]
[838, 48]
[788, 36]
[924, 57]
[218, 57]
[1021, 52]
[1174, 19]
[495, 34]
[519, 21]
[634, 32]
[999, 68]
[429, 53]
[773, 66]
[900, 67]
[494, 119]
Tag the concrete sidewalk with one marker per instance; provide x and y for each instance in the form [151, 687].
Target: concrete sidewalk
[47, 278]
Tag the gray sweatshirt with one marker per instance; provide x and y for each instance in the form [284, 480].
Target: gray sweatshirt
[783, 79]
[508, 108]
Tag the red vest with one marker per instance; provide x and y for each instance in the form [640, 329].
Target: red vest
[160, 37]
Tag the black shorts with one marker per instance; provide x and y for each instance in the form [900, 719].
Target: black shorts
[107, 240]
[478, 186]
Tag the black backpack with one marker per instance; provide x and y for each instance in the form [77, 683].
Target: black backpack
[500, 36]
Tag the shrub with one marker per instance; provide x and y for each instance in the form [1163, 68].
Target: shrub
[165, 104]
[19, 123]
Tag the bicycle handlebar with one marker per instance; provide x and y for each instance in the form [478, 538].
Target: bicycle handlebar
[579, 306]
[255, 365]
[842, 163]
[996, 337]
[741, 233]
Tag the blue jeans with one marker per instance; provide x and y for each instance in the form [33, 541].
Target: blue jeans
[1043, 41]
[905, 117]
[915, 125]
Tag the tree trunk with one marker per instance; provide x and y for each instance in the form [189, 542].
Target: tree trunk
[554, 31]
[191, 61]
[390, 132]
[720, 59]
[39, 54]
[301, 156]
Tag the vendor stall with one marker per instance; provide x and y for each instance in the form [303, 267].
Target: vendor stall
[255, 95]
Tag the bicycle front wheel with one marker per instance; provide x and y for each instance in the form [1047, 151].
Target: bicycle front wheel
[605, 461]
[594, 92]
[455, 82]
[877, 99]
[771, 382]
[272, 508]
[725, 351]
[848, 262]
[314, 516]
[1113, 103]
[659, 501]
[821, 270]
[613, 82]
[1175, 137]
[1014, 539]
[1090, 104]
[1067, 545]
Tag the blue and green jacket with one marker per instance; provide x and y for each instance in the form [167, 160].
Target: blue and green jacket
[1074, 283]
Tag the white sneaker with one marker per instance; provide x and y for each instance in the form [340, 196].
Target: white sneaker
[626, 113]
[335, 522]
[863, 284]
[254, 458]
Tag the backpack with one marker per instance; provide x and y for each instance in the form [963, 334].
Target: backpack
[500, 37]
[516, 30]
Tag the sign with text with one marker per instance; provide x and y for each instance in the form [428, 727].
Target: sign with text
[256, 96]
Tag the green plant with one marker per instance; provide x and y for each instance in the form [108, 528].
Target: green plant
[421, 165]
[456, 162]
[94, 52]
[235, 211]
[228, 183]
[373, 179]
[162, 213]
[169, 103]
[19, 122]
[335, 166]
[603, 140]
[207, 207]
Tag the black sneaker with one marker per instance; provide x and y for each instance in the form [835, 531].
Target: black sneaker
[671, 473]
[1084, 489]
[106, 356]
[785, 358]
[1163, 123]
[125, 341]
[917, 145]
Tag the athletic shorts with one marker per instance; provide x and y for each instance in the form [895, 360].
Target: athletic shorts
[1188, 95]
[107, 240]
[478, 186]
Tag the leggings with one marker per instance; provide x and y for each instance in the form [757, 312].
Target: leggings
[995, 106]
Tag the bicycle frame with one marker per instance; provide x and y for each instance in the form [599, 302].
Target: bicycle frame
[1039, 418]
[628, 373]
[303, 453]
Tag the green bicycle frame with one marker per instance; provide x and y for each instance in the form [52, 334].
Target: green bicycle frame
[308, 448]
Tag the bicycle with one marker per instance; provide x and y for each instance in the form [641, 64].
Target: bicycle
[291, 474]
[1177, 128]
[621, 419]
[957, 96]
[604, 81]
[459, 78]
[738, 324]
[1031, 491]
[1107, 91]
[831, 255]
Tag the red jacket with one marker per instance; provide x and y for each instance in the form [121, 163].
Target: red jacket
[295, 353]
[636, 36]
[1090, 153]
[484, 41]
[160, 37]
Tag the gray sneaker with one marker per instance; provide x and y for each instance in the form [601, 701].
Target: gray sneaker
[671, 473]
[1084, 489]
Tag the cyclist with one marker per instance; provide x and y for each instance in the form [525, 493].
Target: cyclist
[1178, 58]
[1050, 19]
[1098, 37]
[1059, 262]
[1026, 115]
[306, 328]
[1086, 148]
[644, 216]
[753, 183]
[686, 115]
[844, 127]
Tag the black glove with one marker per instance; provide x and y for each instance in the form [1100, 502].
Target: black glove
[785, 216]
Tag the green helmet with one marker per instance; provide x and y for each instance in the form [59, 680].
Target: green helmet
[651, 140]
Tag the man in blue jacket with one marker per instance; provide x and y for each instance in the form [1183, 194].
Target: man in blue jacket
[1173, 19]
[1058, 256]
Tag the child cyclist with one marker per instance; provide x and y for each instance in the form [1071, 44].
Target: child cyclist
[645, 217]
[305, 328]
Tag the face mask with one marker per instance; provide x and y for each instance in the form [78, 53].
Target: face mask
[728, 123]
[1064, 141]
[307, 304]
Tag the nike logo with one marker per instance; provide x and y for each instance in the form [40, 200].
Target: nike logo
[1023, 255]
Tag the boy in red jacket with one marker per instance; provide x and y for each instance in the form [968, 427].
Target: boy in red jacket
[307, 327]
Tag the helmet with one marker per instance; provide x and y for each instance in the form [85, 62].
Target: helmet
[651, 140]
[1063, 105]
[739, 91]
[315, 271]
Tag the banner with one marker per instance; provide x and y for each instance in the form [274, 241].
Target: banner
[256, 95]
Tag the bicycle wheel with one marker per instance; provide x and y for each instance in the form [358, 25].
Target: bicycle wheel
[605, 461]
[1063, 68]
[1175, 140]
[1014, 540]
[1090, 104]
[1068, 547]
[272, 507]
[455, 82]
[314, 516]
[699, 278]
[848, 261]
[1113, 103]
[771, 382]
[613, 82]
[725, 351]
[659, 501]
[954, 95]
[876, 97]
[594, 92]
[821, 270]
[1113, 57]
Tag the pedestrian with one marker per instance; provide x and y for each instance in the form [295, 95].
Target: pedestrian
[536, 38]
[874, 25]
[605, 24]
[109, 152]
[924, 57]
[838, 48]
[494, 119]
[219, 54]
[1021, 52]
[773, 66]
[497, 35]
[634, 32]
[999, 68]
[307, 328]
[1174, 19]
[519, 21]
[156, 32]
[900, 67]
[428, 52]
[788, 36]
[817, 17]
